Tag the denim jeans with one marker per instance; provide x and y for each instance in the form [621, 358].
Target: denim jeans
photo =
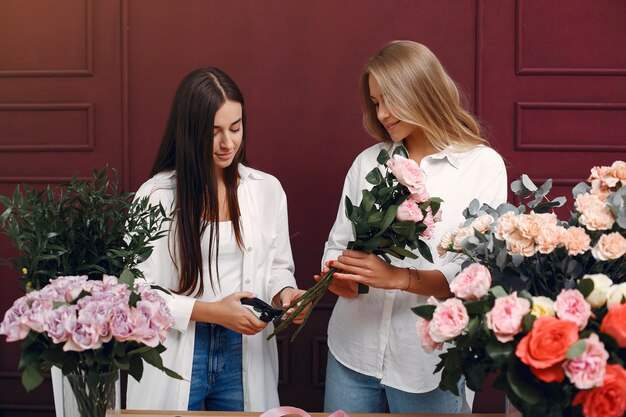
[216, 381]
[354, 392]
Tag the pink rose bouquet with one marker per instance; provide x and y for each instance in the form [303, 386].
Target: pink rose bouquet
[87, 328]
[545, 299]
[396, 213]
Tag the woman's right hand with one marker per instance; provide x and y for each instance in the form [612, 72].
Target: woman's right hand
[231, 314]
[342, 288]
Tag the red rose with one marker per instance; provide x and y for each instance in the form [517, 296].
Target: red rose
[544, 348]
[608, 400]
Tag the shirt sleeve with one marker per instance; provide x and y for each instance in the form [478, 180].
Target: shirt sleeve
[160, 269]
[282, 266]
[341, 232]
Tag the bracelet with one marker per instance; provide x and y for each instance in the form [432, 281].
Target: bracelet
[411, 277]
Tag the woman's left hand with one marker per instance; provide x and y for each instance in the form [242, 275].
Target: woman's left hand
[367, 269]
[288, 296]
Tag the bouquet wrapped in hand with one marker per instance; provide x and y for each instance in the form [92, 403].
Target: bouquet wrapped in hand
[395, 214]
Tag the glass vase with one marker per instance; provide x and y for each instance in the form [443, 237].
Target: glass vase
[91, 394]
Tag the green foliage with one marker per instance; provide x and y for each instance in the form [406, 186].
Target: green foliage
[80, 228]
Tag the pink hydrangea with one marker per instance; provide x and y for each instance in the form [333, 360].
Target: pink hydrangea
[587, 371]
[571, 305]
[472, 282]
[505, 318]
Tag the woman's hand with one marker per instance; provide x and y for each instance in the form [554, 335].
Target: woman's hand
[346, 289]
[230, 313]
[287, 297]
[368, 269]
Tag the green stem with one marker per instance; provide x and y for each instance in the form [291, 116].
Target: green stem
[311, 296]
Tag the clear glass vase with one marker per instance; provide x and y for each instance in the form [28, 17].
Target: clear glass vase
[93, 394]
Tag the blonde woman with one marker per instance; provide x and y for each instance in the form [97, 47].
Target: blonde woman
[376, 361]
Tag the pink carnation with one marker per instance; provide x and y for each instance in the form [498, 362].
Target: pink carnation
[423, 330]
[449, 320]
[610, 246]
[472, 282]
[587, 370]
[571, 305]
[505, 318]
[408, 173]
[576, 240]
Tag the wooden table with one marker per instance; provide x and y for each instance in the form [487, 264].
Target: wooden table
[138, 413]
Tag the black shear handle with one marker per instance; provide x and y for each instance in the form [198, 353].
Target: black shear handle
[267, 312]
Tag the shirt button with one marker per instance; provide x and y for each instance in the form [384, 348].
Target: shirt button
[247, 281]
[249, 249]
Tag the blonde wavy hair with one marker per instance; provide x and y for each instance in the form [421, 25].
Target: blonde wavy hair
[418, 90]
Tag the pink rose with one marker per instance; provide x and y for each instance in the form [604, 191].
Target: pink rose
[472, 282]
[429, 220]
[14, 325]
[84, 337]
[121, 324]
[143, 331]
[571, 305]
[609, 246]
[505, 318]
[587, 370]
[428, 344]
[60, 323]
[408, 173]
[576, 240]
[39, 310]
[409, 211]
[420, 196]
[449, 320]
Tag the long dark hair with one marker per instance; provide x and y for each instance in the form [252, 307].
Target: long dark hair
[187, 147]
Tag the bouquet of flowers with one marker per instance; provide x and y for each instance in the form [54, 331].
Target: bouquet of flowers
[539, 301]
[89, 328]
[393, 215]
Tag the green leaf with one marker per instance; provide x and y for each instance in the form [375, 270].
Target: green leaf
[521, 384]
[127, 277]
[403, 252]
[405, 228]
[401, 150]
[153, 358]
[133, 299]
[374, 177]
[136, 368]
[585, 286]
[424, 250]
[31, 378]
[576, 350]
[498, 291]
[424, 311]
[367, 203]
[375, 218]
[383, 157]
[388, 218]
[498, 352]
[349, 207]
[527, 322]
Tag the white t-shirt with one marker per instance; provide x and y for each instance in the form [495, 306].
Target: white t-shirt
[229, 266]
[375, 334]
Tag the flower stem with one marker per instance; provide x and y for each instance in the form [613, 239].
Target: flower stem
[312, 296]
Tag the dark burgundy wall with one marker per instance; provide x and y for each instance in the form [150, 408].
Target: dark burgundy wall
[84, 83]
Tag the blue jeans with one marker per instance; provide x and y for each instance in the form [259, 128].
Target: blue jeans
[354, 392]
[216, 381]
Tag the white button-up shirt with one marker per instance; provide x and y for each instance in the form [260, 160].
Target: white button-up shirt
[267, 269]
[375, 333]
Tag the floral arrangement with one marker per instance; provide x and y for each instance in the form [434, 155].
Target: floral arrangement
[88, 328]
[393, 215]
[541, 302]
[84, 227]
